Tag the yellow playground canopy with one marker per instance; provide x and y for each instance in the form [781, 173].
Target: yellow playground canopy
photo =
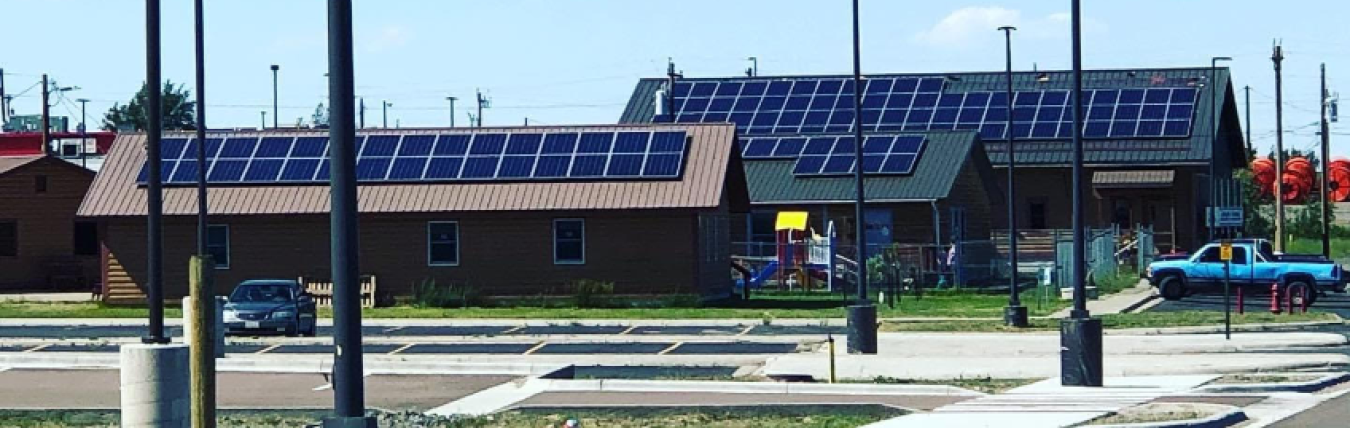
[791, 220]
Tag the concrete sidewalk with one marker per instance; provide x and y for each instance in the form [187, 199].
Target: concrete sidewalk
[945, 356]
[1126, 301]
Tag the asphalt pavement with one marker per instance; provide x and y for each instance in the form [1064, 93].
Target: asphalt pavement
[76, 331]
[1331, 413]
[1338, 303]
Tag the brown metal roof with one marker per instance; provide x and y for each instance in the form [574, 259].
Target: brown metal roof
[9, 163]
[711, 155]
[1132, 179]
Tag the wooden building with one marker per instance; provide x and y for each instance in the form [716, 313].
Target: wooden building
[42, 245]
[507, 211]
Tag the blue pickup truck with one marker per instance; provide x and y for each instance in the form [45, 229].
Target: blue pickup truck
[1255, 265]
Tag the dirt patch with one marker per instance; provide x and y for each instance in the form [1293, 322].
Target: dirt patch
[1243, 379]
[1157, 412]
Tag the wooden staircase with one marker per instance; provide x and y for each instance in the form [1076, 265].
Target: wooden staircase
[118, 286]
[1032, 246]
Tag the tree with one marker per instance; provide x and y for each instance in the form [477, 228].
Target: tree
[179, 111]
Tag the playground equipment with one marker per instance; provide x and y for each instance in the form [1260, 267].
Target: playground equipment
[801, 256]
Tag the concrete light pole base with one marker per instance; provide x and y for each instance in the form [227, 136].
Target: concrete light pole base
[1080, 352]
[1015, 316]
[349, 422]
[862, 329]
[155, 385]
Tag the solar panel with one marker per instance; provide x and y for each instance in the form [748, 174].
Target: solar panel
[920, 104]
[882, 154]
[626, 155]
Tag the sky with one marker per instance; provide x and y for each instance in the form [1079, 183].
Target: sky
[576, 62]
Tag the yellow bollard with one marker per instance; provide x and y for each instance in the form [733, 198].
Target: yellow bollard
[830, 339]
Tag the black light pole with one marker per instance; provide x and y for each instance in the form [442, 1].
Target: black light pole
[201, 131]
[1015, 315]
[384, 112]
[452, 110]
[275, 117]
[154, 284]
[1214, 142]
[348, 387]
[1080, 334]
[862, 315]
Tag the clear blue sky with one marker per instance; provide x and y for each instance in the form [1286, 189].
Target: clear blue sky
[560, 62]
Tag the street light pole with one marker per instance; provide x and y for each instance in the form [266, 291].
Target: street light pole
[275, 117]
[348, 386]
[263, 115]
[154, 177]
[1212, 213]
[862, 315]
[1080, 334]
[384, 112]
[1015, 315]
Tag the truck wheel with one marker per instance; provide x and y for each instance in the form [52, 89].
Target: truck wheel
[1300, 286]
[1171, 287]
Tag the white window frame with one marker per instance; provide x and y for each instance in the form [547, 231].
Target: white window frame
[431, 262]
[229, 256]
[556, 261]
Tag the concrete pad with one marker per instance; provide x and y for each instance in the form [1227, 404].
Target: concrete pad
[493, 399]
[689, 399]
[862, 367]
[987, 420]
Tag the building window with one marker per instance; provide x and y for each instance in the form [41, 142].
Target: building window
[569, 241]
[40, 183]
[443, 243]
[9, 238]
[218, 244]
[86, 238]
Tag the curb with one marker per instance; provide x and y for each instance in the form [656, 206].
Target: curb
[1232, 416]
[1265, 327]
[1307, 386]
[309, 365]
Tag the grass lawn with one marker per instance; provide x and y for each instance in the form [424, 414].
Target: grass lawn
[1340, 247]
[79, 310]
[1115, 321]
[109, 418]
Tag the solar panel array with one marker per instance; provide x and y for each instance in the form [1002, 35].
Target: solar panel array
[521, 156]
[910, 104]
[836, 155]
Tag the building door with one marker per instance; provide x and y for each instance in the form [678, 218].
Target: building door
[879, 227]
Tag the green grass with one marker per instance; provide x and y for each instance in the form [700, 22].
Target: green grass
[109, 418]
[1114, 321]
[1340, 247]
[79, 310]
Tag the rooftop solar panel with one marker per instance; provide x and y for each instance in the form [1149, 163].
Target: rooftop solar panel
[891, 104]
[627, 155]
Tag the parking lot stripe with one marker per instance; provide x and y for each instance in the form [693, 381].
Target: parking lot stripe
[629, 329]
[536, 347]
[747, 330]
[671, 348]
[393, 329]
[513, 329]
[268, 349]
[36, 348]
[401, 348]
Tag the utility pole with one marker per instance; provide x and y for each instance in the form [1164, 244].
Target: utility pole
[1326, 170]
[482, 102]
[384, 109]
[4, 100]
[862, 315]
[84, 134]
[452, 110]
[671, 76]
[1080, 334]
[1212, 213]
[46, 117]
[1248, 90]
[1015, 315]
[1278, 58]
[348, 386]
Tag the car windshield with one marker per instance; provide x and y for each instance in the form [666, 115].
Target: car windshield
[261, 293]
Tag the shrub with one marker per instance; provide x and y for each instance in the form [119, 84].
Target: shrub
[587, 293]
[428, 294]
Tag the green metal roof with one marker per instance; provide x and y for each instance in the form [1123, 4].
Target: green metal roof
[1195, 150]
[945, 156]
